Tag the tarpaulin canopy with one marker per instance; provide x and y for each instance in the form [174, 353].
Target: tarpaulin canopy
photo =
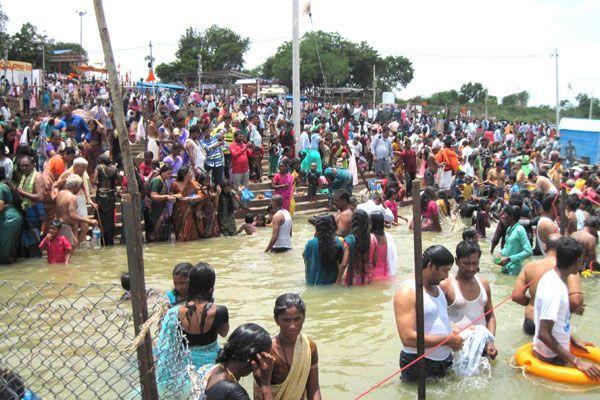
[89, 68]
[171, 86]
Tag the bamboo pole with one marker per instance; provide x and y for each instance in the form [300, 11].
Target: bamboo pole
[562, 204]
[131, 206]
[418, 254]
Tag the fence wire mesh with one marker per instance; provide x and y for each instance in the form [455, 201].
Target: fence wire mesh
[64, 341]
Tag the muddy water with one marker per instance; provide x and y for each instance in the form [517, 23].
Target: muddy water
[353, 327]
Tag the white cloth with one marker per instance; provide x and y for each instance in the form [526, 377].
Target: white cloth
[436, 322]
[468, 360]
[552, 304]
[284, 238]
[446, 180]
[370, 207]
[392, 254]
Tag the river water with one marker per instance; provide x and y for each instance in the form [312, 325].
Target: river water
[354, 328]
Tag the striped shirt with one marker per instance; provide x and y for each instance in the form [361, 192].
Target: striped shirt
[214, 153]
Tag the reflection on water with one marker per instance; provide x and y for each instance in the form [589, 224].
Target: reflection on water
[354, 328]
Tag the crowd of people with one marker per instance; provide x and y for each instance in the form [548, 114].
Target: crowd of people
[61, 174]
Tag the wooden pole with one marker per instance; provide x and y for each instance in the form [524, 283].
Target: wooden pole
[131, 206]
[562, 210]
[418, 254]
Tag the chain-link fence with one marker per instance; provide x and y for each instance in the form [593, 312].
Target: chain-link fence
[64, 341]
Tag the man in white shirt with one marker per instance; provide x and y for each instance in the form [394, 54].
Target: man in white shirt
[552, 315]
[305, 138]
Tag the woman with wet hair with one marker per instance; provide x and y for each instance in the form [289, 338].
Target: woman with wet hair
[187, 217]
[295, 357]
[158, 222]
[323, 252]
[384, 249]
[189, 332]
[357, 262]
[245, 353]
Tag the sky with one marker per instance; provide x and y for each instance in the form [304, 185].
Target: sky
[506, 45]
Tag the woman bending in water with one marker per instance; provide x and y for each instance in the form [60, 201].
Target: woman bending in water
[296, 361]
[245, 353]
[384, 251]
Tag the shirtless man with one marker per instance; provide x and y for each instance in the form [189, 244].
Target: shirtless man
[543, 183]
[66, 209]
[571, 213]
[588, 239]
[545, 226]
[532, 272]
[343, 218]
[84, 198]
[497, 176]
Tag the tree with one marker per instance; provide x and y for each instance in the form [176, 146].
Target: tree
[472, 93]
[583, 105]
[67, 46]
[344, 63]
[442, 98]
[221, 49]
[4, 37]
[26, 45]
[519, 99]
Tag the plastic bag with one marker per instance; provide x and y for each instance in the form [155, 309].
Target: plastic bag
[247, 196]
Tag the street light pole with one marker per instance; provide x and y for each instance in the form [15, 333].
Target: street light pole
[81, 14]
[296, 72]
[557, 98]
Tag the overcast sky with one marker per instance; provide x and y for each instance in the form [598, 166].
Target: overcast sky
[449, 42]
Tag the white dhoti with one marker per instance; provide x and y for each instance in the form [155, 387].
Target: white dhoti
[446, 180]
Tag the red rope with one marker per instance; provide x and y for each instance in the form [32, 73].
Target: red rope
[362, 395]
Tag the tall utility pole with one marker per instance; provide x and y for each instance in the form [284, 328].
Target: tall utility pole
[591, 104]
[150, 60]
[296, 72]
[43, 57]
[374, 86]
[81, 14]
[131, 219]
[557, 98]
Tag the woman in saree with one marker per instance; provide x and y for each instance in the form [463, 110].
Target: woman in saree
[158, 221]
[188, 334]
[11, 221]
[323, 252]
[106, 179]
[358, 252]
[93, 148]
[188, 219]
[295, 357]
[384, 252]
[209, 207]
[283, 185]
[430, 212]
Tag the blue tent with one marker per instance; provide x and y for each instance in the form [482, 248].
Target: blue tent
[148, 85]
[585, 135]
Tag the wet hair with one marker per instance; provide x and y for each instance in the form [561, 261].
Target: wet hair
[360, 229]
[343, 194]
[438, 256]
[592, 222]
[69, 151]
[11, 385]
[125, 282]
[427, 195]
[245, 342]
[547, 202]
[377, 224]
[513, 211]
[573, 202]
[552, 241]
[56, 224]
[182, 172]
[287, 301]
[467, 248]
[182, 269]
[248, 218]
[568, 251]
[469, 234]
[325, 228]
[201, 282]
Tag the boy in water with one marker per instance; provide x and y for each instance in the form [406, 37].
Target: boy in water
[470, 234]
[248, 226]
[57, 246]
[313, 182]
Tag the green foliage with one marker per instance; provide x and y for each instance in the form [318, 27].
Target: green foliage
[516, 99]
[221, 49]
[445, 97]
[344, 63]
[26, 45]
[472, 93]
[583, 105]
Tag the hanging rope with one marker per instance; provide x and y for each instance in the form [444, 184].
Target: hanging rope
[316, 45]
[479, 318]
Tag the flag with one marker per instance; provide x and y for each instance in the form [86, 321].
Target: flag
[307, 10]
[150, 77]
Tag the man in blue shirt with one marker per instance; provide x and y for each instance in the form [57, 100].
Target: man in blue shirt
[212, 146]
[82, 130]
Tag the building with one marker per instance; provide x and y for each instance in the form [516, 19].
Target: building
[585, 136]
